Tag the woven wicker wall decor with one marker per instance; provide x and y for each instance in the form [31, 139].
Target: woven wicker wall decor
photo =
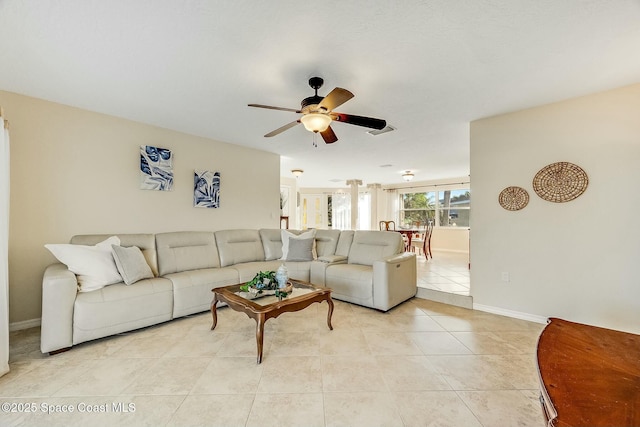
[560, 182]
[513, 198]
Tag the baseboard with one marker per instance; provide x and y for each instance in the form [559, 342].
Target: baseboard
[453, 251]
[25, 324]
[464, 301]
[510, 313]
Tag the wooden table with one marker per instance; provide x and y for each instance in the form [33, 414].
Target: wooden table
[409, 233]
[264, 308]
[589, 376]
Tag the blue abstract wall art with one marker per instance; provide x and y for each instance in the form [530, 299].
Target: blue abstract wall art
[206, 189]
[156, 168]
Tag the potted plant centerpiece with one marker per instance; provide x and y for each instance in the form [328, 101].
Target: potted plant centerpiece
[265, 283]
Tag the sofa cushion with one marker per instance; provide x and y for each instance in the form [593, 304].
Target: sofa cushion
[369, 246]
[131, 264]
[238, 246]
[186, 250]
[271, 243]
[299, 270]
[344, 243]
[327, 242]
[192, 289]
[119, 308]
[247, 270]
[94, 265]
[351, 280]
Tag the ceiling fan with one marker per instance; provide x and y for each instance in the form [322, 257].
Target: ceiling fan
[317, 113]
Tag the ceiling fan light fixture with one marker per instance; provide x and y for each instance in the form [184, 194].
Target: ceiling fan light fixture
[316, 122]
[318, 113]
[407, 176]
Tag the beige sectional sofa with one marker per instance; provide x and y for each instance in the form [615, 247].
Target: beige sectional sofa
[369, 268]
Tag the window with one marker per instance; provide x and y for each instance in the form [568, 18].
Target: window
[416, 209]
[340, 211]
[455, 206]
[364, 211]
[446, 208]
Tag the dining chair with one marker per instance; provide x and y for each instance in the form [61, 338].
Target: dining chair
[426, 244]
[417, 240]
[405, 239]
[387, 225]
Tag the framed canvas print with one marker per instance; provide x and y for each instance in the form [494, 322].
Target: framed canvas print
[156, 168]
[206, 189]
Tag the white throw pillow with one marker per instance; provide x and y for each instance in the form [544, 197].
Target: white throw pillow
[131, 264]
[94, 265]
[286, 235]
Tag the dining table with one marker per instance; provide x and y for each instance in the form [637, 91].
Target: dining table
[409, 232]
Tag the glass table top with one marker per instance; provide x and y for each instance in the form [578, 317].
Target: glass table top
[268, 297]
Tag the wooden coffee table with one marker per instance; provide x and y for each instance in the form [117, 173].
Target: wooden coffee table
[263, 308]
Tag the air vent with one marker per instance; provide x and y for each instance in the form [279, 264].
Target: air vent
[385, 129]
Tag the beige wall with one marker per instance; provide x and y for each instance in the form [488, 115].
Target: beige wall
[575, 260]
[77, 172]
[451, 239]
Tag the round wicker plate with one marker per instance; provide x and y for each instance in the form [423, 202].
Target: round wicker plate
[513, 198]
[560, 182]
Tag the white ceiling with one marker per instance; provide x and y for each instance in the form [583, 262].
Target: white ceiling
[428, 67]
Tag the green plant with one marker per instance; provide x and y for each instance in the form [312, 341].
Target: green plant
[281, 293]
[264, 280]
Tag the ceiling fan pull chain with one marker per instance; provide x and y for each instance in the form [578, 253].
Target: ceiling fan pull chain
[315, 140]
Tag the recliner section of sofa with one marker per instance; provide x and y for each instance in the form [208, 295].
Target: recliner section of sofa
[366, 268]
[118, 308]
[376, 273]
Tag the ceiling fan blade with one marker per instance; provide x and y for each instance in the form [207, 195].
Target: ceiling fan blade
[329, 136]
[367, 122]
[269, 107]
[335, 98]
[282, 129]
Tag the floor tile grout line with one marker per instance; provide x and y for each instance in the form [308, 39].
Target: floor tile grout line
[468, 407]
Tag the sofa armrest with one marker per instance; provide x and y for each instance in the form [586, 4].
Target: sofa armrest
[317, 271]
[59, 289]
[394, 280]
[333, 259]
[403, 257]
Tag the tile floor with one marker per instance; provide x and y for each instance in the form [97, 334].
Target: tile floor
[421, 364]
[445, 272]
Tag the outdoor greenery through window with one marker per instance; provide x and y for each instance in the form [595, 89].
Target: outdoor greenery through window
[445, 208]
